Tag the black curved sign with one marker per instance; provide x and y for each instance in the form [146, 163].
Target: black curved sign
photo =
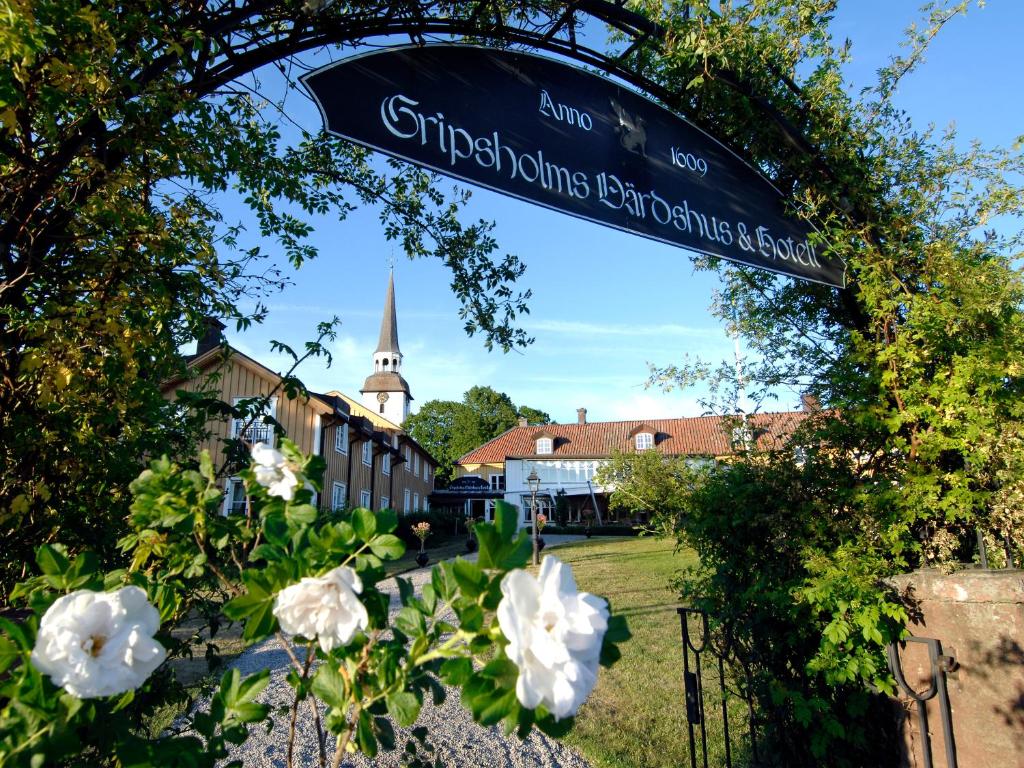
[567, 139]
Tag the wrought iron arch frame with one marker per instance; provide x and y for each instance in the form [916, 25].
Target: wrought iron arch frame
[219, 45]
[551, 28]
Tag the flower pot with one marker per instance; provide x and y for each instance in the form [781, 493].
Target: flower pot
[587, 533]
[471, 544]
[422, 558]
[540, 544]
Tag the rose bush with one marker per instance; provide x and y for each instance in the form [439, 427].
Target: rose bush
[83, 672]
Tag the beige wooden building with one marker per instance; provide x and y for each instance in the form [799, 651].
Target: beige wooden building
[371, 461]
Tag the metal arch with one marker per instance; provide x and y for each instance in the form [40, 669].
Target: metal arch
[551, 28]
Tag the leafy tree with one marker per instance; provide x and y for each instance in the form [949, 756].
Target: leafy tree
[918, 360]
[649, 482]
[450, 429]
[533, 416]
[434, 427]
[487, 414]
[119, 125]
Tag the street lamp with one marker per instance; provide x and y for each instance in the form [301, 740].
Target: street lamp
[534, 482]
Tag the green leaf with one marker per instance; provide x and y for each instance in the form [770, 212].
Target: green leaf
[387, 547]
[365, 523]
[456, 671]
[406, 592]
[404, 707]
[410, 622]
[470, 578]
[490, 546]
[249, 712]
[365, 738]
[506, 517]
[429, 599]
[518, 554]
[498, 708]
[51, 561]
[9, 653]
[126, 698]
[329, 685]
[300, 514]
[471, 616]
[387, 520]
[249, 688]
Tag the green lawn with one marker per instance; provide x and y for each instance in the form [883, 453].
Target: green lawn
[636, 717]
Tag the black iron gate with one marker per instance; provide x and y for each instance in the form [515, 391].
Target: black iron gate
[704, 654]
[698, 646]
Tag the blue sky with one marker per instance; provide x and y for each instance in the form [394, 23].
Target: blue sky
[605, 304]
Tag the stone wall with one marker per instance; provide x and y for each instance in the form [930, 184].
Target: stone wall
[978, 615]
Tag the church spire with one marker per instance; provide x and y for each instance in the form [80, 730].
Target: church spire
[385, 391]
[388, 342]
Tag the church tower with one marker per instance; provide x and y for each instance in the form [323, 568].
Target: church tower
[385, 391]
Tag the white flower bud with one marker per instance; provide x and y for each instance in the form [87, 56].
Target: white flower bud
[326, 608]
[99, 643]
[555, 635]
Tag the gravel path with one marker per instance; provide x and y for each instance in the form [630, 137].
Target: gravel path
[456, 739]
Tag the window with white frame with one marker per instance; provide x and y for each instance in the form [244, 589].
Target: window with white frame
[234, 497]
[341, 439]
[385, 502]
[497, 482]
[252, 428]
[339, 495]
[416, 463]
[644, 441]
[426, 503]
[385, 463]
[544, 445]
[545, 506]
[364, 499]
[407, 508]
[368, 453]
[408, 459]
[416, 502]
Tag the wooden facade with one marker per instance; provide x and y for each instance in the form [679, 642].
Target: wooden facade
[330, 425]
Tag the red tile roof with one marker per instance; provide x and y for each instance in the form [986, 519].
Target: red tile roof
[700, 436]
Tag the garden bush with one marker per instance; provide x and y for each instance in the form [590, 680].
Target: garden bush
[82, 671]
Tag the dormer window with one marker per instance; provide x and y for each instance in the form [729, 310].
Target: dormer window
[644, 441]
[544, 445]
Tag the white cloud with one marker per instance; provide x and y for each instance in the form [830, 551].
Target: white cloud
[587, 329]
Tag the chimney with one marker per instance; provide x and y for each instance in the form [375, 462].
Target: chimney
[581, 415]
[213, 335]
[523, 421]
[809, 403]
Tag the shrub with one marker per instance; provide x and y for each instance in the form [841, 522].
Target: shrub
[60, 706]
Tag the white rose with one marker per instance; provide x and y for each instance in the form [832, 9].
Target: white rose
[554, 635]
[99, 643]
[273, 473]
[325, 607]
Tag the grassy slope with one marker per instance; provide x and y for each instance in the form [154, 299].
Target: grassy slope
[636, 717]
